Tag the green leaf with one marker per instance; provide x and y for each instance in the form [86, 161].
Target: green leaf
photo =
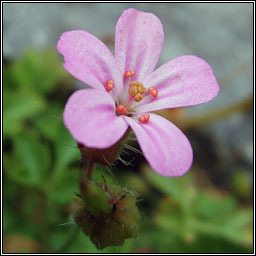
[237, 227]
[229, 223]
[8, 81]
[66, 152]
[209, 205]
[63, 191]
[32, 160]
[66, 148]
[49, 121]
[169, 215]
[40, 71]
[179, 188]
[9, 218]
[18, 107]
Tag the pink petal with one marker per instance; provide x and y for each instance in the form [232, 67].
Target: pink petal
[89, 60]
[138, 42]
[90, 117]
[183, 81]
[166, 148]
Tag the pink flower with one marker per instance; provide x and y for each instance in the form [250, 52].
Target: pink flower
[126, 89]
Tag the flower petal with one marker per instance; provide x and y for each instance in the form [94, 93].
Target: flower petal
[183, 81]
[89, 60]
[138, 42]
[90, 117]
[166, 148]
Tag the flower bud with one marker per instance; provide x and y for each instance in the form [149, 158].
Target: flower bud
[95, 198]
[113, 227]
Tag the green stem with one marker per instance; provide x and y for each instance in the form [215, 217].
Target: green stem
[70, 239]
[90, 170]
[85, 175]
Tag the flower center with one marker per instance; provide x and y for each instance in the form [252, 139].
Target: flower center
[137, 92]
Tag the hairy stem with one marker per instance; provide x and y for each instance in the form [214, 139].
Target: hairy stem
[86, 174]
[90, 167]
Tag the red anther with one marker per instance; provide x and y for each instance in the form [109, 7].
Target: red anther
[121, 109]
[144, 118]
[109, 85]
[153, 91]
[129, 73]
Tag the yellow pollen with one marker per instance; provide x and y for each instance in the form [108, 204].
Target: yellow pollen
[132, 83]
[138, 97]
[140, 89]
[137, 90]
[133, 91]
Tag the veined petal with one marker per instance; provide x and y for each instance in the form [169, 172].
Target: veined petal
[138, 42]
[166, 148]
[183, 81]
[89, 60]
[90, 117]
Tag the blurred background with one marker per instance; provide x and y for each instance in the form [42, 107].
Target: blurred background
[209, 210]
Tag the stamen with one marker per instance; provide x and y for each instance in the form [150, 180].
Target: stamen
[129, 73]
[137, 90]
[153, 91]
[133, 90]
[109, 85]
[140, 89]
[144, 118]
[121, 109]
[138, 97]
[140, 84]
[133, 83]
[131, 108]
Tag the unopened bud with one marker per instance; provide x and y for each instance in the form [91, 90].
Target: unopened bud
[112, 228]
[95, 198]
